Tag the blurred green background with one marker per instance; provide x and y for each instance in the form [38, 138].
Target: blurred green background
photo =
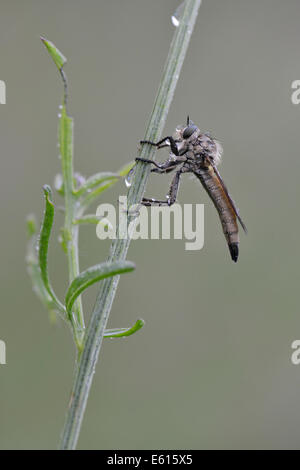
[211, 368]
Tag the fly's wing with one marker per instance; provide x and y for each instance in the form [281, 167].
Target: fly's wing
[234, 208]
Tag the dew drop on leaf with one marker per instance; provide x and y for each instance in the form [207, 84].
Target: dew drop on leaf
[129, 178]
[177, 15]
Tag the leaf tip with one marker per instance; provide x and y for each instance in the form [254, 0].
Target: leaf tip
[58, 58]
[48, 194]
[140, 322]
[47, 190]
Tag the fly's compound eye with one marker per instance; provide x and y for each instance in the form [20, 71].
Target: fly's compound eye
[188, 131]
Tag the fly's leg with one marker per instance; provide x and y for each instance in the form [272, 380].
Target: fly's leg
[168, 165]
[160, 167]
[172, 194]
[159, 145]
[165, 171]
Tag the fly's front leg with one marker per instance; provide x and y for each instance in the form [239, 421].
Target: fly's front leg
[172, 194]
[159, 145]
[168, 164]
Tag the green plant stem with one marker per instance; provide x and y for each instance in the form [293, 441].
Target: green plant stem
[71, 231]
[94, 335]
[78, 320]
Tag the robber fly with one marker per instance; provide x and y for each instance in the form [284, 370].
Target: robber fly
[197, 153]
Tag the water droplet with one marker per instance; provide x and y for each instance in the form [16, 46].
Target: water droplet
[109, 226]
[177, 15]
[60, 106]
[129, 178]
[175, 21]
[59, 115]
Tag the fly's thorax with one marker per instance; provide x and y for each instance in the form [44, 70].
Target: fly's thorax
[210, 147]
[191, 154]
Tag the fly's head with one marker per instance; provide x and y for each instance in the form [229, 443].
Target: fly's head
[185, 136]
[187, 133]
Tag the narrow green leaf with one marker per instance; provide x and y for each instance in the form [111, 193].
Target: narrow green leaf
[93, 219]
[92, 196]
[96, 180]
[35, 272]
[100, 181]
[92, 275]
[44, 242]
[45, 234]
[126, 168]
[122, 332]
[58, 58]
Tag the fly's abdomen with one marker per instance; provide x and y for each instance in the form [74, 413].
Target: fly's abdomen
[215, 190]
